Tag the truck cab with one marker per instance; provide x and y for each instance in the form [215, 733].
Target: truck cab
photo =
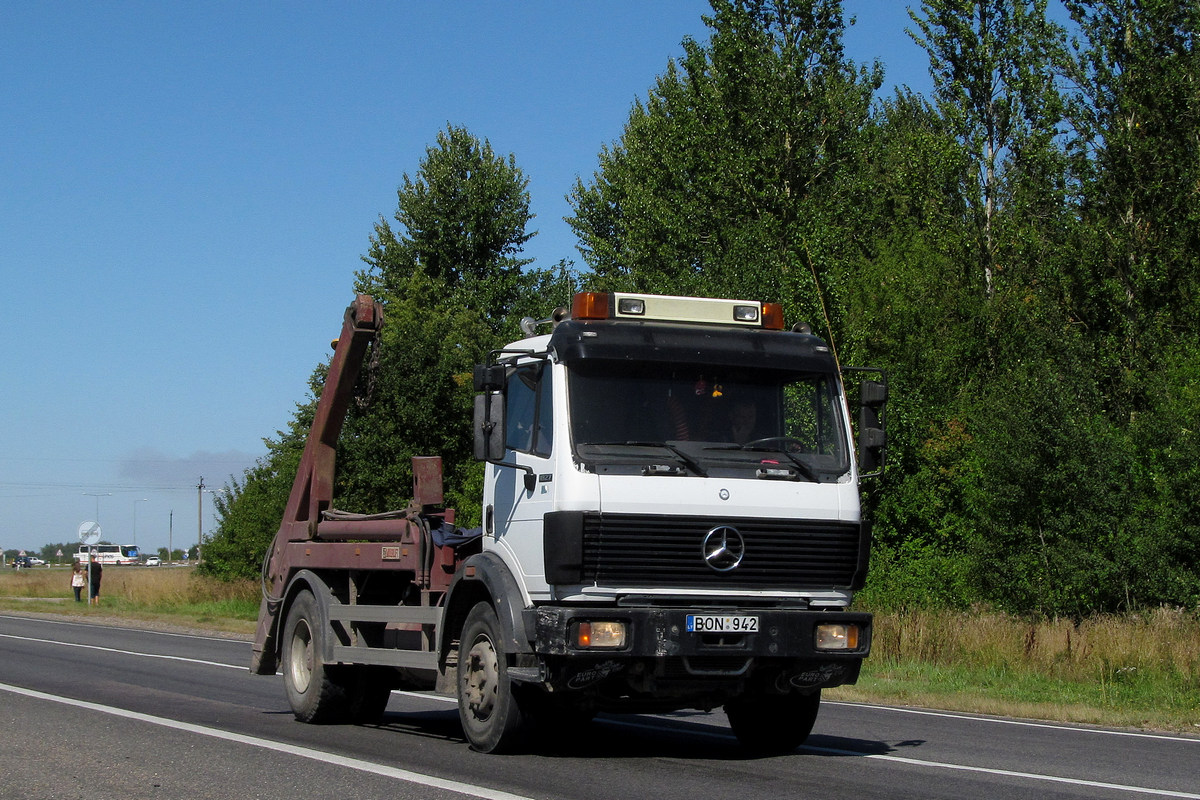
[671, 485]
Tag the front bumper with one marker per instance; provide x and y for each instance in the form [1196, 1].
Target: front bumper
[659, 649]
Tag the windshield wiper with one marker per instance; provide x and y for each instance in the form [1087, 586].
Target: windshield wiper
[760, 447]
[804, 469]
[687, 460]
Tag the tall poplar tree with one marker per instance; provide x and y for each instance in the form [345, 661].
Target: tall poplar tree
[1137, 117]
[727, 174]
[993, 64]
[1137, 114]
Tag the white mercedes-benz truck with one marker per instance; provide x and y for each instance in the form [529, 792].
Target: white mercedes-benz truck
[671, 519]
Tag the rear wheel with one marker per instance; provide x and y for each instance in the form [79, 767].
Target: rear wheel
[311, 690]
[771, 723]
[368, 690]
[492, 718]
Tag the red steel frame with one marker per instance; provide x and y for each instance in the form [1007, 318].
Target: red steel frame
[305, 540]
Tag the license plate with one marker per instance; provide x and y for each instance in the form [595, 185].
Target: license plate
[715, 623]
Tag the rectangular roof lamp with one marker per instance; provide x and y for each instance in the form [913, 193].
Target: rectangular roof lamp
[672, 308]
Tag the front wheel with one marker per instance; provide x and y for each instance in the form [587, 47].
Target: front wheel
[492, 718]
[772, 724]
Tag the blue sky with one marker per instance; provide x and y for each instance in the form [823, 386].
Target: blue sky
[186, 190]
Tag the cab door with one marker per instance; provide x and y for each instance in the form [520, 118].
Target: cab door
[514, 520]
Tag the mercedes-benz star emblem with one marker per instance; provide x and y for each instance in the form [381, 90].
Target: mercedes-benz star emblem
[723, 548]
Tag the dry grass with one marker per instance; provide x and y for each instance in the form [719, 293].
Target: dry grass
[138, 593]
[1100, 648]
[1133, 670]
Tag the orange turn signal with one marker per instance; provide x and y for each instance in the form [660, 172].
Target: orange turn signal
[590, 305]
[773, 316]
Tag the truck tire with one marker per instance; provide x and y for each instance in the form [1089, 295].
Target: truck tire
[312, 692]
[367, 695]
[492, 718]
[772, 724]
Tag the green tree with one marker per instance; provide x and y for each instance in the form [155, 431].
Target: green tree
[463, 222]
[419, 403]
[451, 281]
[994, 65]
[453, 288]
[1136, 112]
[1136, 120]
[912, 306]
[728, 176]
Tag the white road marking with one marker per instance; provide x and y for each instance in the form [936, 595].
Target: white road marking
[944, 765]
[1018, 722]
[242, 667]
[280, 747]
[48, 621]
[1010, 773]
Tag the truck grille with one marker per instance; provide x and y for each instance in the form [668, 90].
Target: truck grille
[649, 551]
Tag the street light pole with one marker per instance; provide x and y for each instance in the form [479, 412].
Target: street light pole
[135, 502]
[200, 491]
[97, 495]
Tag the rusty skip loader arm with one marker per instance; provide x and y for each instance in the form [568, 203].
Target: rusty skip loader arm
[312, 491]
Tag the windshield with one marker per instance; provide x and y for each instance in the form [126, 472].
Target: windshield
[659, 418]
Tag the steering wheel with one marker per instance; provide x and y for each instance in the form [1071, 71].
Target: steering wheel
[789, 443]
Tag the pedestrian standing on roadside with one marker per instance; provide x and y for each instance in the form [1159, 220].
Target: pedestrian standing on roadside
[94, 573]
[78, 581]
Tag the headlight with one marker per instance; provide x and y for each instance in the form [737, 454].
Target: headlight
[599, 635]
[837, 636]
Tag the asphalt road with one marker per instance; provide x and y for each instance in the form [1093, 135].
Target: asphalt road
[97, 712]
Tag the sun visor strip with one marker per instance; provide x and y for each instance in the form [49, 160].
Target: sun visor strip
[575, 341]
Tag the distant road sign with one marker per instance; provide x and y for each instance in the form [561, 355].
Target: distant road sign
[89, 532]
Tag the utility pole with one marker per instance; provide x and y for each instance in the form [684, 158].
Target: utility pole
[170, 534]
[199, 513]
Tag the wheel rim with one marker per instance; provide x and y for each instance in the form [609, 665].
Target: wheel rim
[483, 678]
[300, 656]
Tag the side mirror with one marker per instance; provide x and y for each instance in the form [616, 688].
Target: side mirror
[872, 436]
[489, 426]
[873, 394]
[490, 435]
[489, 377]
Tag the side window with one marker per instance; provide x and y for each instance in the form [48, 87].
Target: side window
[520, 406]
[529, 420]
[811, 415]
[543, 442]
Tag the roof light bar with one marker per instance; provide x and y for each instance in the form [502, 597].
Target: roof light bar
[671, 308]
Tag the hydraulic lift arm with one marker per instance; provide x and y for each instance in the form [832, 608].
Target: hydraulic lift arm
[312, 491]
